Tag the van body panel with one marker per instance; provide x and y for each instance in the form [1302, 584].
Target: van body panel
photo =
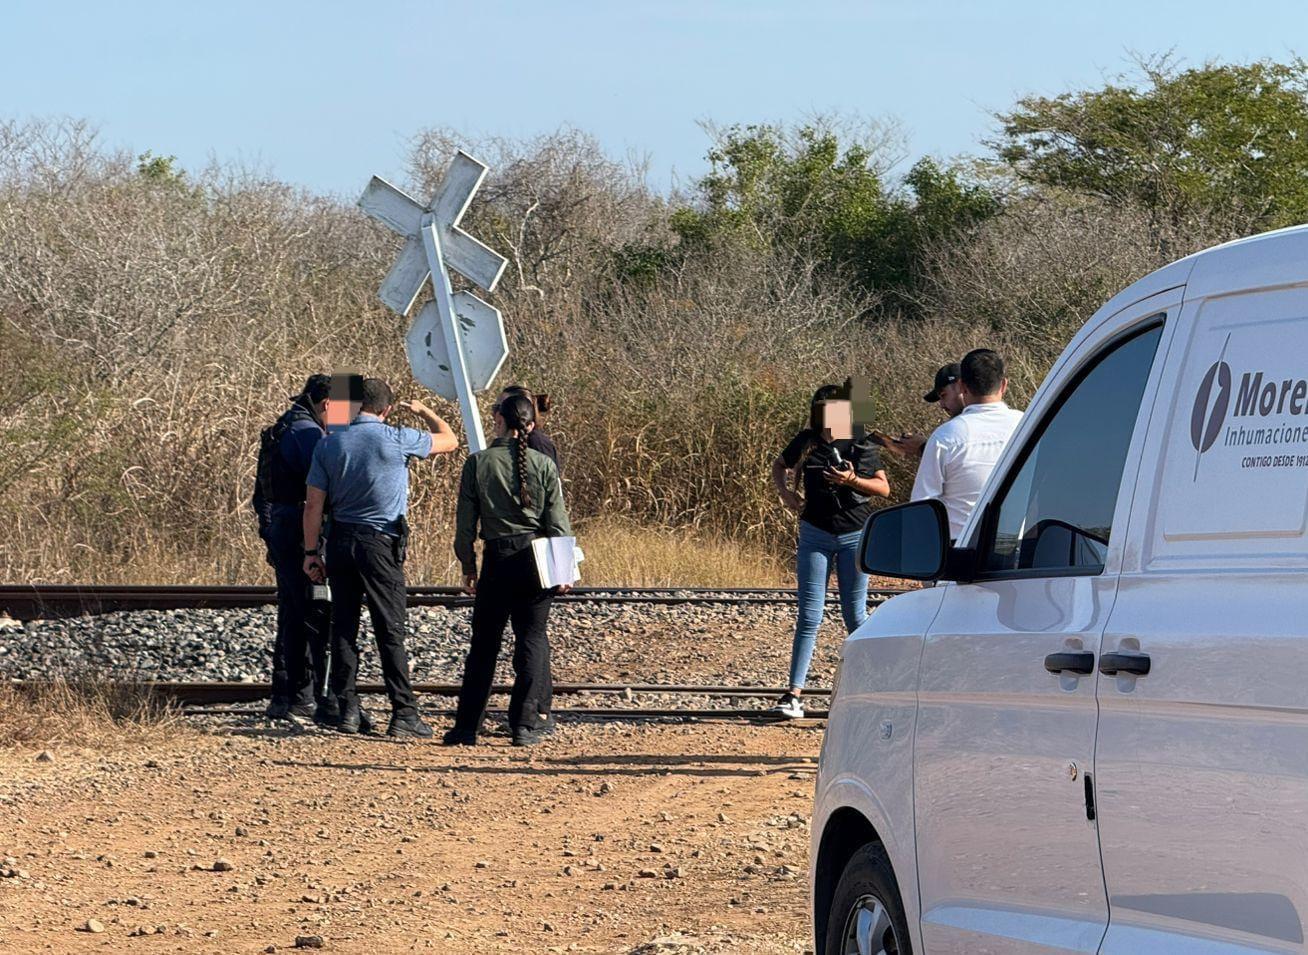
[1007, 860]
[867, 751]
[1202, 764]
[1258, 262]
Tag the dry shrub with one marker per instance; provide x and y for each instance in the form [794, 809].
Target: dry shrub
[151, 323]
[84, 711]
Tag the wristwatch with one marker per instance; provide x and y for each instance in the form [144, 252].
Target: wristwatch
[311, 553]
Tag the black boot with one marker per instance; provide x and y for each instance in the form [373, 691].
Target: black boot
[328, 713]
[522, 736]
[351, 717]
[457, 737]
[278, 709]
[409, 725]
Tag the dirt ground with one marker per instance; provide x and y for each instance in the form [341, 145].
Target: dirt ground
[635, 838]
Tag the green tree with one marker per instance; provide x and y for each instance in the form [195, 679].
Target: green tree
[803, 192]
[160, 170]
[1228, 139]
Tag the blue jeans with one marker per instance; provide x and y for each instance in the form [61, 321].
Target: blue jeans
[817, 550]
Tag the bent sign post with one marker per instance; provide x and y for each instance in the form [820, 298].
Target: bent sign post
[456, 344]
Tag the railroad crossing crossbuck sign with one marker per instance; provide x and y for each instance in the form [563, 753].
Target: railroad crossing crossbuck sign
[456, 345]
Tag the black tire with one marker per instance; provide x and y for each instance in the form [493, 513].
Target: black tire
[867, 897]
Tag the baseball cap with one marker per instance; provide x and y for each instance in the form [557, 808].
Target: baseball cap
[947, 375]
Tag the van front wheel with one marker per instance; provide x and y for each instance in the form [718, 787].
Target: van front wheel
[867, 916]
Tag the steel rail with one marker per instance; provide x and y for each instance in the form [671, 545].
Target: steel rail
[607, 713]
[210, 694]
[32, 601]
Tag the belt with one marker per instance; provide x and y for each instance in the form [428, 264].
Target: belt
[346, 529]
[508, 546]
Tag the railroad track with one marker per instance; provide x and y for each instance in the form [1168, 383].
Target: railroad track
[33, 601]
[214, 694]
[225, 699]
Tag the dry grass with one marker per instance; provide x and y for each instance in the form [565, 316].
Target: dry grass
[621, 554]
[85, 712]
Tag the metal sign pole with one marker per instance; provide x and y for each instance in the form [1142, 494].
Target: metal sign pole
[444, 298]
[456, 344]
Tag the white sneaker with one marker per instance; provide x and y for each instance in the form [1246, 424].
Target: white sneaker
[789, 707]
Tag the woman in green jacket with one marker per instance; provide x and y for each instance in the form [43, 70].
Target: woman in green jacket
[513, 494]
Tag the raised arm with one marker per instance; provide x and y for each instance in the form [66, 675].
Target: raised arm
[443, 440]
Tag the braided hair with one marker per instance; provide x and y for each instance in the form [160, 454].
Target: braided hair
[519, 412]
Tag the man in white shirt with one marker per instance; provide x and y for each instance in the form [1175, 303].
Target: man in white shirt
[961, 453]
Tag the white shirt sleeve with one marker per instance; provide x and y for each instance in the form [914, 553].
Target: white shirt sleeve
[930, 480]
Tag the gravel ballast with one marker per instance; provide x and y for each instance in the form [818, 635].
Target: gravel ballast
[592, 642]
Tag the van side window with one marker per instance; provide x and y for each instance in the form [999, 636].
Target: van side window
[1055, 512]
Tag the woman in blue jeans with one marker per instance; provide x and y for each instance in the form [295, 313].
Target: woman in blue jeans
[839, 477]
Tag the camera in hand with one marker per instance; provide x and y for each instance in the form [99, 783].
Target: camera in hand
[825, 456]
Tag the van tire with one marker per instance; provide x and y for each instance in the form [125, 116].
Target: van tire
[867, 890]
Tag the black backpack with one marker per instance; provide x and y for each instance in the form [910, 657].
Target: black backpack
[270, 459]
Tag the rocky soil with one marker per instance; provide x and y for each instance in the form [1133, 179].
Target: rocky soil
[241, 837]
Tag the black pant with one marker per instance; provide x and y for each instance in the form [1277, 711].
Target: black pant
[303, 626]
[362, 565]
[508, 590]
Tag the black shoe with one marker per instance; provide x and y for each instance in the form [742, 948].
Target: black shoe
[351, 718]
[409, 725]
[530, 737]
[302, 711]
[366, 725]
[277, 709]
[459, 738]
[327, 714]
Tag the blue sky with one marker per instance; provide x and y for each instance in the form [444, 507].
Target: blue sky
[325, 94]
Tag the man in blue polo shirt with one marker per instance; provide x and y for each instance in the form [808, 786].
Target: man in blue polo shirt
[362, 472]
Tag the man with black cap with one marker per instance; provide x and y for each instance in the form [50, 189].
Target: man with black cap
[961, 454]
[947, 393]
[299, 665]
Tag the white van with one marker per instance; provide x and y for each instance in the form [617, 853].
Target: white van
[1092, 734]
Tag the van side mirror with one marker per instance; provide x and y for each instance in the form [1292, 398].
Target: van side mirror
[909, 541]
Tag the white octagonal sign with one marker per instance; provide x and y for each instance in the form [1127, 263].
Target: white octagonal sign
[484, 345]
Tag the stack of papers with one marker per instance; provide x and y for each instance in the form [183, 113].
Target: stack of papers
[558, 560]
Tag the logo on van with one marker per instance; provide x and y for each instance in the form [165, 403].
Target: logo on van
[1248, 405]
[1209, 412]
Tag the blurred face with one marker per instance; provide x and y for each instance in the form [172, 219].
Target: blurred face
[951, 398]
[340, 412]
[344, 400]
[836, 420]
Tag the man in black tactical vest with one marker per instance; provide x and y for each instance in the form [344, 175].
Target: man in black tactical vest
[300, 658]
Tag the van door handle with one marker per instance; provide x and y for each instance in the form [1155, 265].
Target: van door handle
[1136, 664]
[1071, 661]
